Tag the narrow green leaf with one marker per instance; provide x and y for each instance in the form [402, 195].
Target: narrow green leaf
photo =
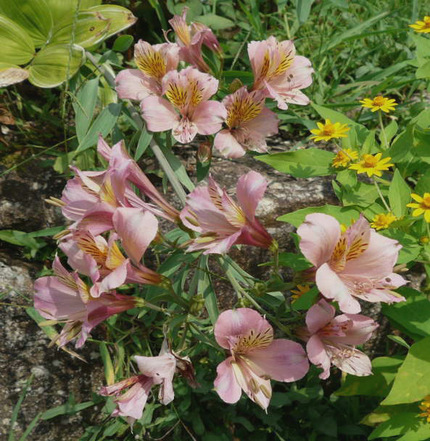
[107, 361]
[143, 143]
[17, 407]
[177, 167]
[84, 107]
[303, 9]
[301, 163]
[399, 194]
[204, 287]
[31, 426]
[103, 124]
[66, 409]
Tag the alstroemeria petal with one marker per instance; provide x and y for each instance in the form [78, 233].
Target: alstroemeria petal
[319, 234]
[319, 315]
[282, 360]
[226, 384]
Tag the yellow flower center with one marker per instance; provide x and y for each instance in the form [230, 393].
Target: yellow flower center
[425, 204]
[379, 101]
[243, 110]
[369, 161]
[151, 63]
[253, 340]
[182, 97]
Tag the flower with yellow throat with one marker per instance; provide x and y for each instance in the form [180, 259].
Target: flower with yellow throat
[329, 130]
[422, 26]
[379, 103]
[372, 165]
[421, 206]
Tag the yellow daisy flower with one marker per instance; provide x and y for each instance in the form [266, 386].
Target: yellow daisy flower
[379, 103]
[328, 130]
[372, 165]
[382, 221]
[422, 26]
[422, 207]
[344, 157]
[425, 407]
[299, 291]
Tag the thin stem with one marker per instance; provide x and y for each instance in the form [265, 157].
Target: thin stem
[384, 135]
[428, 228]
[382, 197]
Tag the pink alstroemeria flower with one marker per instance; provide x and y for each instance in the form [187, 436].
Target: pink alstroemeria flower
[191, 38]
[249, 122]
[104, 262]
[331, 340]
[127, 170]
[221, 221]
[66, 298]
[153, 62]
[279, 72]
[357, 264]
[154, 370]
[187, 109]
[255, 357]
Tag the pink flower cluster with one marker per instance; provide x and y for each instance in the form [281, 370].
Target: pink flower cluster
[349, 266]
[180, 101]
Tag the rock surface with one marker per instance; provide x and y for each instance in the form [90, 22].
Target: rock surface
[24, 352]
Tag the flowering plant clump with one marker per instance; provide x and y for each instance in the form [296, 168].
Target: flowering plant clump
[155, 256]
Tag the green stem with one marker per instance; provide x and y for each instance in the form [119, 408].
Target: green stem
[382, 197]
[384, 135]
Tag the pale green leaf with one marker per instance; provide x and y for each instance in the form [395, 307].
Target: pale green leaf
[119, 18]
[215, 22]
[33, 15]
[16, 45]
[53, 65]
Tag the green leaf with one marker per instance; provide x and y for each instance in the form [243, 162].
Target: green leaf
[122, 43]
[55, 64]
[390, 132]
[303, 10]
[413, 315]
[361, 194]
[301, 163]
[215, 22]
[399, 194]
[107, 361]
[16, 45]
[195, 8]
[412, 382]
[410, 245]
[143, 143]
[402, 423]
[33, 15]
[204, 287]
[84, 107]
[423, 183]
[384, 370]
[295, 261]
[85, 30]
[68, 8]
[305, 301]
[177, 167]
[119, 18]
[69, 408]
[343, 214]
[103, 124]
